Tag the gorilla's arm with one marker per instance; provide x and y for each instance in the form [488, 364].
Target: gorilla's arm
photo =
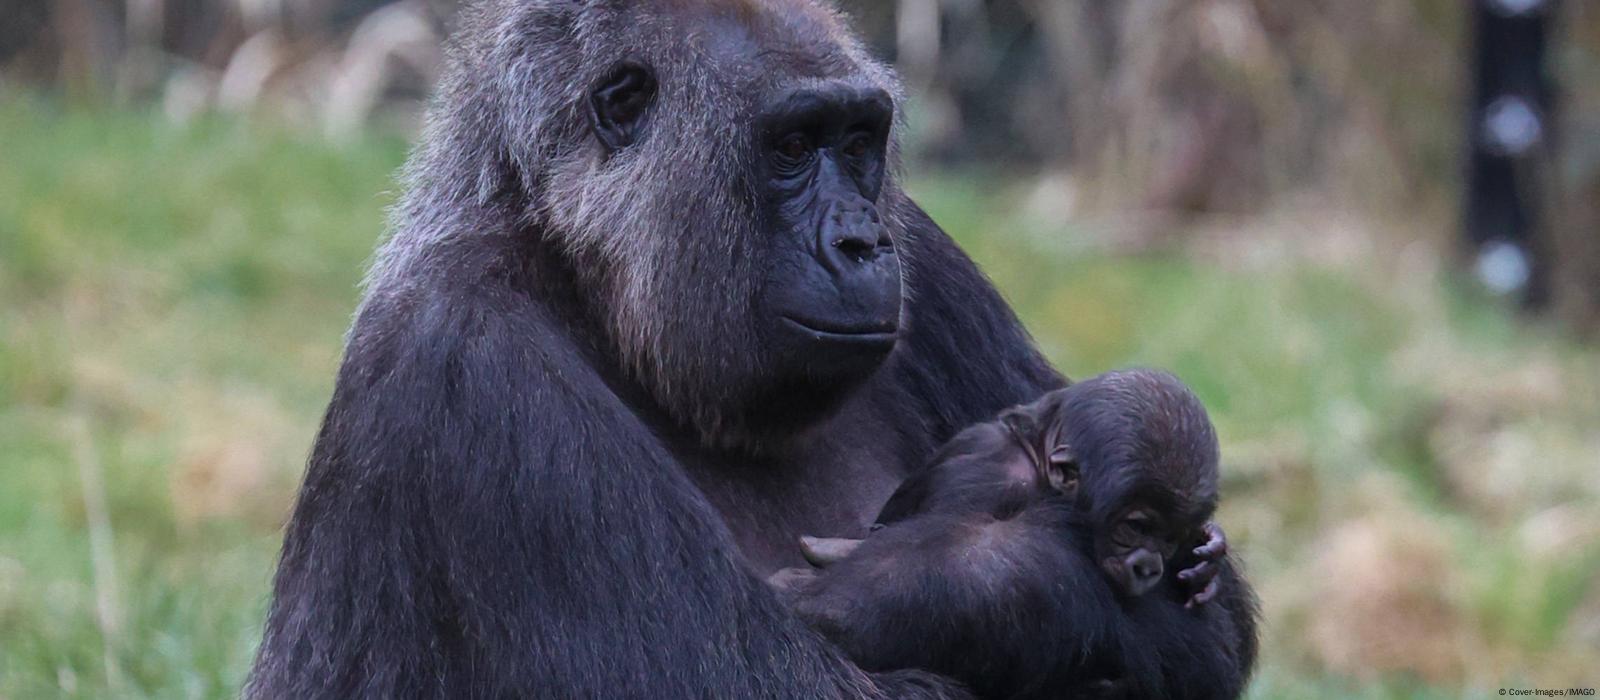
[482, 517]
[1237, 600]
[965, 355]
[1206, 652]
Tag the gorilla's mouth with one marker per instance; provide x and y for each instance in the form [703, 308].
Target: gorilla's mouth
[868, 333]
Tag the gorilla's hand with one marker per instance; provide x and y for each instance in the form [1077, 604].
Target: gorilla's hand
[792, 579]
[1202, 578]
[822, 551]
[794, 584]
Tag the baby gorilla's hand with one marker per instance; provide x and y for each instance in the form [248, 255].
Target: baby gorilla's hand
[1202, 578]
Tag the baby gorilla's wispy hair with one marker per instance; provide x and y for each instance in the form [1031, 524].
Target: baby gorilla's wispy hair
[1152, 440]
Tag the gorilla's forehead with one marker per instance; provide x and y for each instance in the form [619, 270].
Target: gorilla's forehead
[769, 38]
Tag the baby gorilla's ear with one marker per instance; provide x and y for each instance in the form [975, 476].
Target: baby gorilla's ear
[1019, 421]
[1061, 470]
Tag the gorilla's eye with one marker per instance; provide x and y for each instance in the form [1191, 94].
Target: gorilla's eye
[857, 147]
[1140, 524]
[618, 104]
[794, 148]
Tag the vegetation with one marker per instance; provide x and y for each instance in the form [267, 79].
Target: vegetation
[1411, 473]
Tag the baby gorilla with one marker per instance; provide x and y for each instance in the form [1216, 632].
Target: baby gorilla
[1012, 536]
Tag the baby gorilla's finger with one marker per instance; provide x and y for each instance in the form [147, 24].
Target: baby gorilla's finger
[1216, 543]
[1204, 596]
[1199, 575]
[822, 551]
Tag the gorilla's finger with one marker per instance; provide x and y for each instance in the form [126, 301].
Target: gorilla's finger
[1204, 596]
[791, 578]
[822, 551]
[1200, 574]
[1216, 543]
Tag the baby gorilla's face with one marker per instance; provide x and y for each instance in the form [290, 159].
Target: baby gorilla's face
[1134, 546]
[1135, 451]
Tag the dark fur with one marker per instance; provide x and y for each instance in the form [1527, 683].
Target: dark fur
[1135, 432]
[984, 573]
[542, 473]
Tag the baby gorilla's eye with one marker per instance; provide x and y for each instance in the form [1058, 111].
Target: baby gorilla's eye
[1140, 524]
[1127, 536]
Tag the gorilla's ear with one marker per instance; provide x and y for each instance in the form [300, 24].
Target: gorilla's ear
[1061, 470]
[617, 104]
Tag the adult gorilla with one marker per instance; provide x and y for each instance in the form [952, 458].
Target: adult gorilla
[653, 306]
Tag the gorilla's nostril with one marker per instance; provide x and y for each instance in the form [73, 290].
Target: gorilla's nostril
[850, 237]
[1144, 571]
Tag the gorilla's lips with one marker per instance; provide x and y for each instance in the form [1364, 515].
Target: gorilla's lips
[862, 333]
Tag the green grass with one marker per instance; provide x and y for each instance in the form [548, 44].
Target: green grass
[1405, 463]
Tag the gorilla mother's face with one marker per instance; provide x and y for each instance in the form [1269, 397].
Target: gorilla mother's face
[832, 294]
[736, 190]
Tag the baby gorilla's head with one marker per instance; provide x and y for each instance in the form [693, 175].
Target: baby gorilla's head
[1136, 452]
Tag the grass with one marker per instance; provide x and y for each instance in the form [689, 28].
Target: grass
[1411, 472]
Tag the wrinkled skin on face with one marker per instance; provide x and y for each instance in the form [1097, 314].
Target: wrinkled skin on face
[794, 257]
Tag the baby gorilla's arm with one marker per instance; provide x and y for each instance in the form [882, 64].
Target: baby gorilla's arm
[861, 592]
[1002, 605]
[1200, 579]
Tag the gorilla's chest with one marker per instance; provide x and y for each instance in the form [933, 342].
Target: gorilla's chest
[831, 483]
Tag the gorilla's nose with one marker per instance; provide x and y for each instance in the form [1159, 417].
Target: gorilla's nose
[1144, 571]
[852, 237]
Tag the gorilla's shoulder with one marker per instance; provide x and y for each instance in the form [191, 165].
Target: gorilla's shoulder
[462, 295]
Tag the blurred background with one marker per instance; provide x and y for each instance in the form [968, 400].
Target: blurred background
[1368, 234]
